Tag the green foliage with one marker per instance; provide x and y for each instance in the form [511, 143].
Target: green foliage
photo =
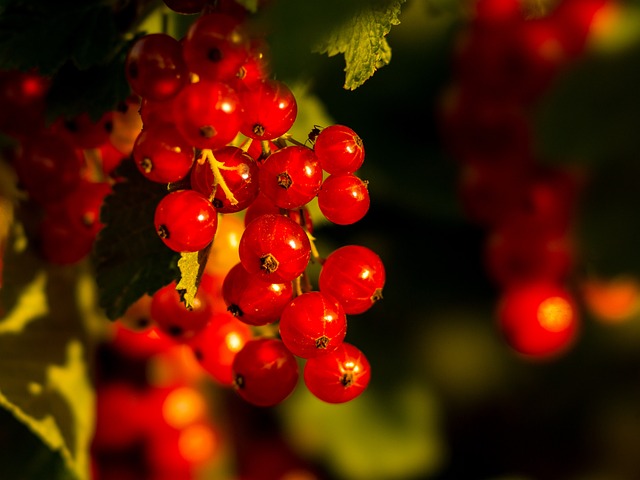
[362, 41]
[44, 375]
[129, 257]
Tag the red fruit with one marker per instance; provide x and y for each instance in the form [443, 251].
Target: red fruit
[270, 109]
[338, 376]
[291, 177]
[83, 132]
[275, 248]
[539, 320]
[355, 276]
[240, 174]
[344, 198]
[155, 68]
[207, 114]
[171, 315]
[339, 149]
[216, 345]
[161, 154]
[313, 324]
[251, 299]
[185, 221]
[265, 372]
[216, 46]
[48, 167]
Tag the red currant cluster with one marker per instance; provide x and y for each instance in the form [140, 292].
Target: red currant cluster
[216, 131]
[504, 62]
[62, 167]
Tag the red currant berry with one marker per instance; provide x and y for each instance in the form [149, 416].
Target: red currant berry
[339, 149]
[313, 324]
[216, 345]
[344, 198]
[161, 154]
[262, 205]
[355, 276]
[155, 68]
[265, 372]
[240, 175]
[275, 248]
[48, 167]
[216, 46]
[338, 376]
[171, 315]
[270, 109]
[83, 132]
[207, 114]
[539, 320]
[251, 299]
[291, 177]
[185, 220]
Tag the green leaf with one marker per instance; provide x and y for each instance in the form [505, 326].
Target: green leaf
[296, 30]
[362, 41]
[44, 376]
[191, 265]
[129, 257]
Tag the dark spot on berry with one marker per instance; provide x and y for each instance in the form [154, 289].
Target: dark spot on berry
[207, 131]
[377, 295]
[216, 202]
[346, 379]
[258, 129]
[133, 70]
[238, 382]
[108, 126]
[146, 164]
[71, 125]
[284, 180]
[175, 330]
[322, 342]
[235, 310]
[163, 231]
[269, 263]
[198, 354]
[214, 55]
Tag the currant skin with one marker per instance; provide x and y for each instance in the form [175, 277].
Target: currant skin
[539, 319]
[252, 300]
[275, 248]
[185, 221]
[291, 177]
[265, 372]
[312, 324]
[338, 376]
[344, 198]
[339, 149]
[355, 276]
[270, 109]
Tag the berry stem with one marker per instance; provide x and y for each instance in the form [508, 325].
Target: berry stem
[216, 166]
[315, 255]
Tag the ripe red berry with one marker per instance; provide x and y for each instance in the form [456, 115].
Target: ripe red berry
[538, 319]
[355, 276]
[240, 175]
[155, 67]
[339, 149]
[161, 154]
[338, 376]
[215, 46]
[275, 248]
[313, 324]
[291, 177]
[185, 221]
[270, 109]
[265, 372]
[344, 198]
[171, 315]
[253, 300]
[216, 345]
[207, 114]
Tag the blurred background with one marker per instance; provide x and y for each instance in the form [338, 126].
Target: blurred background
[491, 114]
